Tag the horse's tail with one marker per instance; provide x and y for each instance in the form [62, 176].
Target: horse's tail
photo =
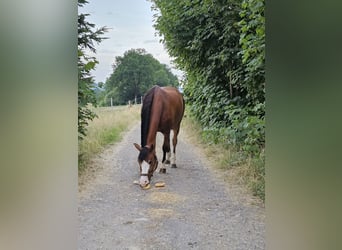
[145, 114]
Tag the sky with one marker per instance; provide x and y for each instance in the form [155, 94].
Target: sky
[131, 27]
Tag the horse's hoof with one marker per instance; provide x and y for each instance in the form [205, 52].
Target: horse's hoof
[173, 166]
[162, 170]
[167, 162]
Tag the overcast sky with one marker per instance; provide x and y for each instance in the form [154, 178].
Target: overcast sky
[130, 23]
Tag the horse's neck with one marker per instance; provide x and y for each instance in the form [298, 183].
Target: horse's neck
[154, 124]
[152, 134]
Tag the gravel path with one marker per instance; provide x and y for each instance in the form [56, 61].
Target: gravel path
[195, 209]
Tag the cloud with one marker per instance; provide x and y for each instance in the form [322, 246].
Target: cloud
[107, 51]
[131, 27]
[150, 41]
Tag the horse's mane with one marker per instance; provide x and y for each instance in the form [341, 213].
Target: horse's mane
[145, 115]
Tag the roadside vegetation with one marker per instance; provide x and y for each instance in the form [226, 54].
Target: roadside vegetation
[220, 45]
[241, 168]
[88, 36]
[107, 128]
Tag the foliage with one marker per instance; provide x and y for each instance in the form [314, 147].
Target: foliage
[242, 168]
[133, 74]
[252, 41]
[87, 38]
[258, 175]
[221, 47]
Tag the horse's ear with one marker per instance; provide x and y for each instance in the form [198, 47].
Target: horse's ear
[137, 146]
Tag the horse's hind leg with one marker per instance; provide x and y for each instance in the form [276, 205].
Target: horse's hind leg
[166, 152]
[174, 142]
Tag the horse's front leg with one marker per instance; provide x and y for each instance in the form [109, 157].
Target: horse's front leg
[166, 152]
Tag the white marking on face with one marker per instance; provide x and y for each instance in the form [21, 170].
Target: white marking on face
[144, 170]
[144, 167]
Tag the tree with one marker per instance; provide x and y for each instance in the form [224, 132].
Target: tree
[220, 45]
[252, 41]
[87, 37]
[134, 73]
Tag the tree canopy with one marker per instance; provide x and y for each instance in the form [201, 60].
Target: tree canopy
[87, 37]
[220, 45]
[133, 74]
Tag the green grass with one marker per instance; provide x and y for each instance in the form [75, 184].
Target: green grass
[107, 129]
[243, 169]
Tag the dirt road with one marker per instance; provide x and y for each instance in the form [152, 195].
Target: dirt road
[195, 210]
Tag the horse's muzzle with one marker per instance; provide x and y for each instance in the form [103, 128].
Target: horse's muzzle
[144, 180]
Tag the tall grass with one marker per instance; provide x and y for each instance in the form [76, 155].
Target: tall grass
[106, 129]
[243, 169]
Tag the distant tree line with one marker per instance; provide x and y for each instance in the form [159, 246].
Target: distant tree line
[133, 74]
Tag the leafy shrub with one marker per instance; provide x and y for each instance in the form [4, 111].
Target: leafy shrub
[221, 47]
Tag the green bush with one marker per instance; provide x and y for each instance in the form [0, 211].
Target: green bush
[221, 47]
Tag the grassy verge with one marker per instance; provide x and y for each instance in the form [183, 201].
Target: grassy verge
[106, 129]
[243, 169]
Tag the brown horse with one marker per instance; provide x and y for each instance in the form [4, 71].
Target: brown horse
[162, 111]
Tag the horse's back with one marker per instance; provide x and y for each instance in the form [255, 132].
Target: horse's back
[172, 103]
[168, 103]
[173, 94]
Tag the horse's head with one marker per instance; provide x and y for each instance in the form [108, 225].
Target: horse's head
[148, 163]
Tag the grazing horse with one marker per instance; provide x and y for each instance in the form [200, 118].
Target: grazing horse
[162, 111]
